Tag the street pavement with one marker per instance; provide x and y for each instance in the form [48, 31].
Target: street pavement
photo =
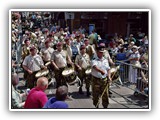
[122, 97]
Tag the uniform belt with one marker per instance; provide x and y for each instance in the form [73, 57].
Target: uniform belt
[99, 78]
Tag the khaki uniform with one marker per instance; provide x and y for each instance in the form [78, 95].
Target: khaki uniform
[33, 63]
[25, 51]
[46, 53]
[69, 51]
[46, 56]
[60, 59]
[84, 62]
[99, 81]
[90, 51]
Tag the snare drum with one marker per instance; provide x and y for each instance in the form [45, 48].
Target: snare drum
[88, 71]
[69, 75]
[42, 73]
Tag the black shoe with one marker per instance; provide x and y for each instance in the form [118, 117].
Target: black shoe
[105, 106]
[80, 91]
[88, 93]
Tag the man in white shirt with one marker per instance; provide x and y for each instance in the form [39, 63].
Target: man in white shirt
[46, 52]
[100, 78]
[32, 64]
[59, 60]
[82, 62]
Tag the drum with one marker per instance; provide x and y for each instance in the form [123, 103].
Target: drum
[48, 63]
[114, 73]
[88, 71]
[42, 73]
[69, 75]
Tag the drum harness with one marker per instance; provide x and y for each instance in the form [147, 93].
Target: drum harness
[83, 58]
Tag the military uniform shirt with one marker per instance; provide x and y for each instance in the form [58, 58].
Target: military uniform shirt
[47, 52]
[83, 60]
[60, 58]
[34, 63]
[69, 51]
[102, 64]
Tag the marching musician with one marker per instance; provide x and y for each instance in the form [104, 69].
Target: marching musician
[71, 48]
[100, 78]
[89, 48]
[46, 52]
[68, 46]
[25, 48]
[32, 64]
[26, 52]
[59, 60]
[78, 41]
[82, 62]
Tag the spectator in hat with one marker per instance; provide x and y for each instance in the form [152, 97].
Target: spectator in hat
[134, 60]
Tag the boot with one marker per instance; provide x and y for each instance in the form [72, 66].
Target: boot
[80, 90]
[88, 93]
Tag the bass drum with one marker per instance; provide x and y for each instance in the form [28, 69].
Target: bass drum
[69, 75]
[88, 71]
[42, 73]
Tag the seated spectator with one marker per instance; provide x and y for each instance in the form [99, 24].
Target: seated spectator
[37, 97]
[58, 100]
[16, 96]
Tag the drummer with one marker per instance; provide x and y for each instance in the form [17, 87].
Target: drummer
[82, 62]
[26, 52]
[89, 48]
[32, 64]
[25, 48]
[68, 46]
[59, 60]
[46, 52]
